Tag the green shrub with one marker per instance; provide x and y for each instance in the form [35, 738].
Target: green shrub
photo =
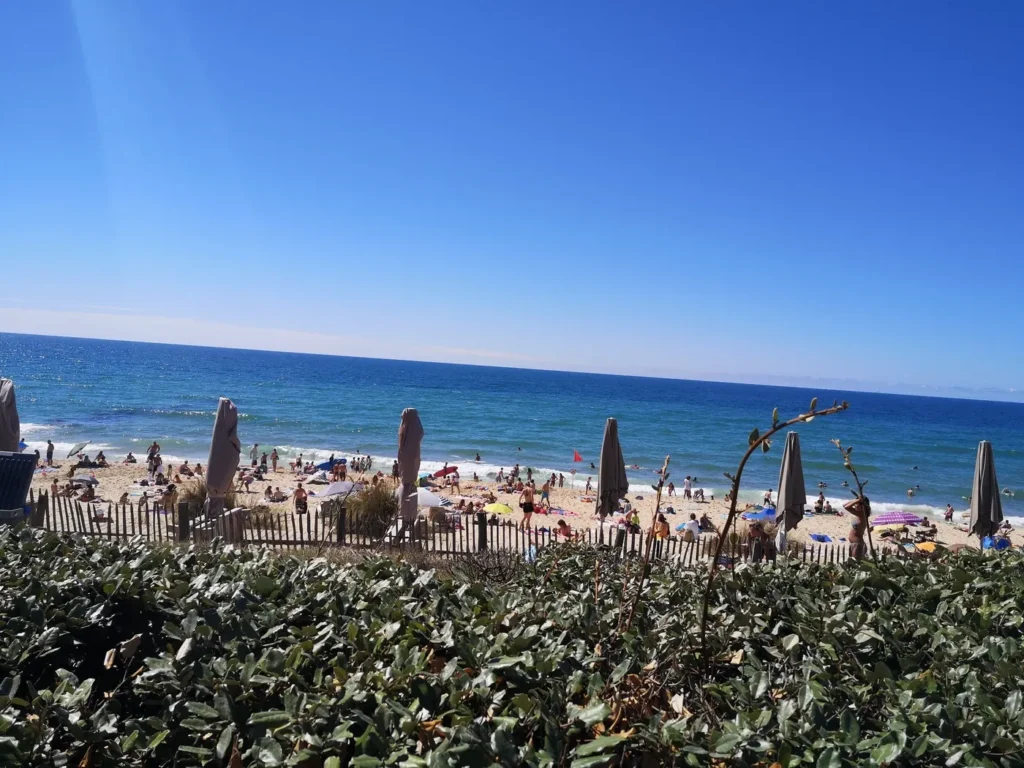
[120, 654]
[194, 493]
[371, 511]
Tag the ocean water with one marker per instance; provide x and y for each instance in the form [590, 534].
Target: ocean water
[122, 395]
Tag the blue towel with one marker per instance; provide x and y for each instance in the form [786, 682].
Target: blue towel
[821, 537]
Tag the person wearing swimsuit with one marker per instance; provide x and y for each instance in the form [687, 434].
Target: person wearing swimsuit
[526, 502]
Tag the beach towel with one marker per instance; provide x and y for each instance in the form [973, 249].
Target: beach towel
[821, 537]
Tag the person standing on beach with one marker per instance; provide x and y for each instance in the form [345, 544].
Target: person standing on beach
[588, 486]
[526, 502]
[49, 453]
[273, 459]
[254, 453]
[661, 534]
[301, 500]
[758, 537]
[561, 480]
[860, 508]
[263, 462]
[545, 493]
[948, 514]
[671, 489]
[687, 488]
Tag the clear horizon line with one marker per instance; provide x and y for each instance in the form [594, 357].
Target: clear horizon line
[833, 385]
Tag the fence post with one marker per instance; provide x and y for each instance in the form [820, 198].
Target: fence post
[481, 531]
[37, 518]
[341, 524]
[183, 522]
[620, 540]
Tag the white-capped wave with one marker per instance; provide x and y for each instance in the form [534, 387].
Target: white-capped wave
[27, 426]
[61, 448]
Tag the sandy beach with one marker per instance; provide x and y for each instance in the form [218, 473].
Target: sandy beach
[567, 503]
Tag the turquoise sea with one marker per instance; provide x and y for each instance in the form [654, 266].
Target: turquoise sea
[122, 395]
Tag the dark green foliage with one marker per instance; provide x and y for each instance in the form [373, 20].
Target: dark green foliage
[122, 654]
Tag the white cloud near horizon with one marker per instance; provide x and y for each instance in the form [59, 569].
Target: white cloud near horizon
[110, 323]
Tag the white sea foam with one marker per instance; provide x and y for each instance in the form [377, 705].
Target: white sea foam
[27, 426]
[60, 448]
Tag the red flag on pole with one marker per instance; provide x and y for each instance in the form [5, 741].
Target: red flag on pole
[576, 456]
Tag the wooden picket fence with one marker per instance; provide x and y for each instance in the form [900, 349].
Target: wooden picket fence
[329, 526]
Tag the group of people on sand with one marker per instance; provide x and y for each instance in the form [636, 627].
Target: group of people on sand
[689, 493]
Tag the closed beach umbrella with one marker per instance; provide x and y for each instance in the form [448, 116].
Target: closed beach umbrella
[986, 507]
[792, 491]
[410, 437]
[225, 449]
[612, 483]
[10, 424]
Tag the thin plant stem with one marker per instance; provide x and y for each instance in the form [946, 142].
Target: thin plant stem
[756, 441]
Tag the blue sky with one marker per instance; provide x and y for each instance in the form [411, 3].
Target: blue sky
[724, 190]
